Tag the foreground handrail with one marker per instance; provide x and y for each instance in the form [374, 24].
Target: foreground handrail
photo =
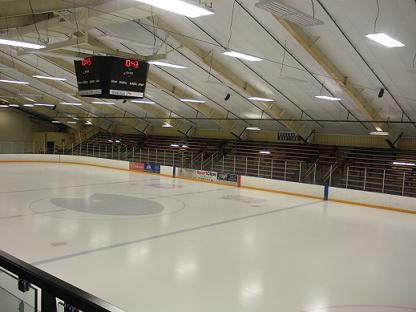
[53, 287]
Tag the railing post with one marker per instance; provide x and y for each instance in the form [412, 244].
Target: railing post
[285, 170]
[258, 168]
[44, 147]
[348, 173]
[93, 150]
[119, 152]
[384, 178]
[140, 155]
[403, 185]
[246, 165]
[223, 163]
[300, 171]
[173, 157]
[133, 156]
[164, 157]
[148, 154]
[127, 152]
[72, 148]
[202, 159]
[99, 150]
[182, 159]
[63, 148]
[212, 162]
[106, 155]
[88, 149]
[156, 157]
[365, 177]
[112, 151]
[192, 160]
[314, 174]
[33, 147]
[330, 176]
[271, 170]
[234, 164]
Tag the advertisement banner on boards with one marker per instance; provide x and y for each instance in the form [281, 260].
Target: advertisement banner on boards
[205, 175]
[136, 166]
[152, 168]
[228, 177]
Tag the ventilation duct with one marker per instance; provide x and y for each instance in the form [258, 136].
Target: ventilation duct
[288, 13]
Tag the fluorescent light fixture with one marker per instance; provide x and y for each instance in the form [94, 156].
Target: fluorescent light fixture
[185, 146]
[103, 103]
[379, 129]
[71, 104]
[21, 44]
[260, 99]
[88, 123]
[192, 101]
[14, 105]
[242, 56]
[381, 133]
[111, 141]
[179, 7]
[385, 40]
[143, 102]
[29, 99]
[44, 104]
[174, 145]
[14, 81]
[4, 106]
[253, 128]
[49, 78]
[276, 7]
[265, 152]
[167, 125]
[71, 122]
[28, 105]
[400, 163]
[163, 64]
[329, 98]
[55, 122]
[118, 141]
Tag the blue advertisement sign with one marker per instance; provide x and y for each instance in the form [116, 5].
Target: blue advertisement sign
[152, 168]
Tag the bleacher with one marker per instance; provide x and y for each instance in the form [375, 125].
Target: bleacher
[355, 168]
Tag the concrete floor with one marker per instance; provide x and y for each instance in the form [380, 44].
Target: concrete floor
[150, 243]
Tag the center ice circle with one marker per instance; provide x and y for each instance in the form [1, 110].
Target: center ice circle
[110, 204]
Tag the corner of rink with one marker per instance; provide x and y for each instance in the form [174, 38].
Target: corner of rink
[340, 195]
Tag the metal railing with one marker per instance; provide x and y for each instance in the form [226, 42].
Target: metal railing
[46, 292]
[397, 181]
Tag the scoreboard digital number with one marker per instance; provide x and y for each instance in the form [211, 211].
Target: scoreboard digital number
[111, 77]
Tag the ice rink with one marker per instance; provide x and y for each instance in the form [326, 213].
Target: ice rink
[156, 244]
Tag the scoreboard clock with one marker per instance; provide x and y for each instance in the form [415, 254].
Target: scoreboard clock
[111, 77]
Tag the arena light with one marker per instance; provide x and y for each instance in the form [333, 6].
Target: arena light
[163, 64]
[329, 98]
[260, 99]
[71, 122]
[4, 106]
[174, 145]
[22, 44]
[14, 105]
[400, 163]
[380, 133]
[44, 104]
[71, 104]
[185, 146]
[143, 102]
[385, 40]
[29, 105]
[167, 125]
[253, 128]
[265, 152]
[179, 7]
[49, 78]
[242, 56]
[88, 123]
[192, 101]
[55, 122]
[103, 103]
[14, 81]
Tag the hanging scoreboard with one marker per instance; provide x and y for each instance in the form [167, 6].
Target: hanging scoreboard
[111, 77]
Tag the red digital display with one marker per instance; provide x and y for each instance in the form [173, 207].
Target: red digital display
[86, 62]
[131, 64]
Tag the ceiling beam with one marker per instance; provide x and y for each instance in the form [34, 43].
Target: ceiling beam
[229, 78]
[311, 48]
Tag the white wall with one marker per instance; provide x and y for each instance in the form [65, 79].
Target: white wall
[283, 186]
[375, 199]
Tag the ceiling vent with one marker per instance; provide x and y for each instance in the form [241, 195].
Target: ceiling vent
[288, 13]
